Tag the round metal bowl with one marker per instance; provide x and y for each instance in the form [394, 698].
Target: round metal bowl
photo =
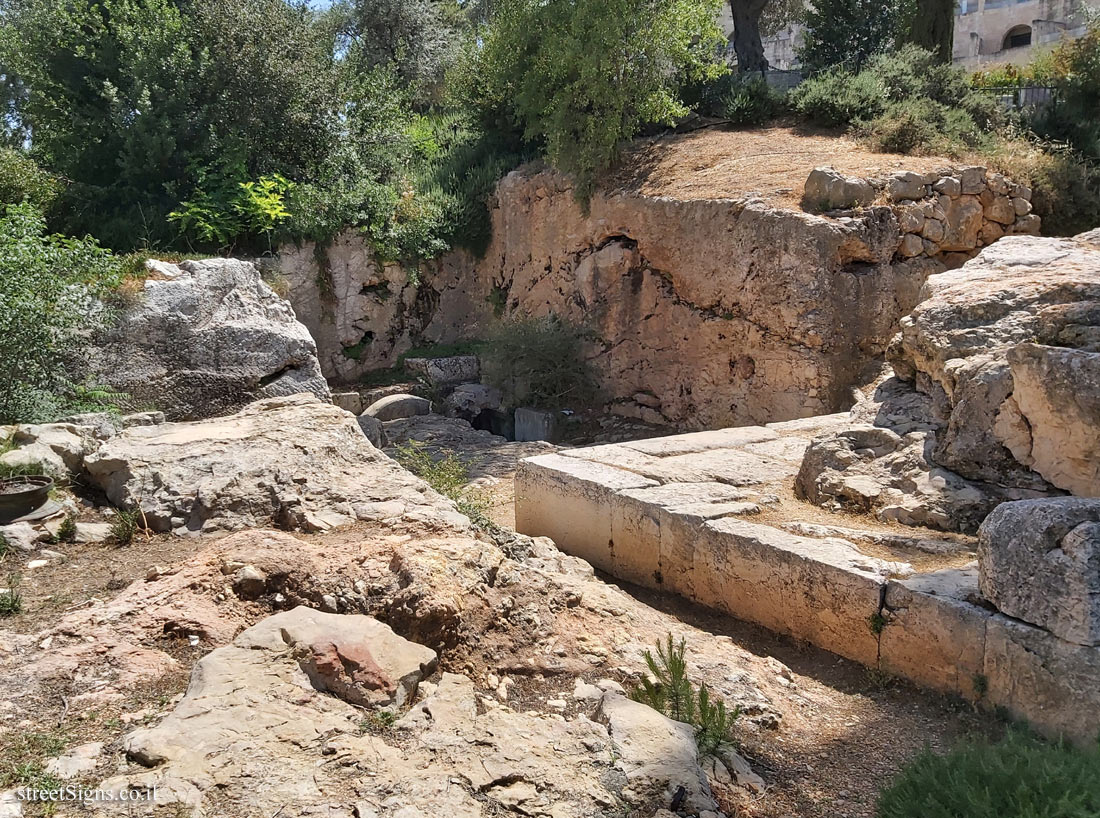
[22, 495]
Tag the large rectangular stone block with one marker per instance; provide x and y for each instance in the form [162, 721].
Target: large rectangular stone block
[933, 635]
[1051, 683]
[570, 501]
[820, 590]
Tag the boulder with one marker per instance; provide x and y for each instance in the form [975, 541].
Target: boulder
[1027, 307]
[356, 658]
[906, 185]
[828, 190]
[445, 371]
[348, 401]
[205, 338]
[654, 750]
[396, 407]
[294, 462]
[1056, 393]
[374, 430]
[1039, 561]
[468, 400]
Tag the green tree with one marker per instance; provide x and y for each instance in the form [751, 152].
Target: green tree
[50, 300]
[583, 76]
[849, 32]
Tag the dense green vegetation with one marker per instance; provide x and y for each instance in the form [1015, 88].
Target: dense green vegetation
[1019, 777]
[50, 291]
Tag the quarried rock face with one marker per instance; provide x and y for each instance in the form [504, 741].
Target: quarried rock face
[1026, 310]
[293, 462]
[204, 338]
[1040, 562]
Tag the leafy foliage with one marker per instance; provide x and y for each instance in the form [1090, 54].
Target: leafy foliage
[538, 362]
[1019, 777]
[124, 527]
[50, 288]
[11, 601]
[674, 695]
[1074, 118]
[232, 210]
[22, 180]
[850, 32]
[582, 76]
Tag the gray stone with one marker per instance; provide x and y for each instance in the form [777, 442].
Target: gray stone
[972, 180]
[374, 430]
[655, 750]
[20, 535]
[1039, 561]
[295, 462]
[468, 400]
[38, 458]
[206, 340]
[948, 186]
[906, 185]
[536, 424]
[445, 371]
[828, 190]
[396, 407]
[77, 762]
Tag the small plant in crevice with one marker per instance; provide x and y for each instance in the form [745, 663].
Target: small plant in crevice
[672, 693]
[980, 683]
[378, 721]
[11, 601]
[877, 623]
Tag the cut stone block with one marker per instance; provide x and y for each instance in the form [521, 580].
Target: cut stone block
[934, 635]
[1047, 681]
[1040, 562]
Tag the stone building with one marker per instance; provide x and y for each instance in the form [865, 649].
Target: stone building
[987, 32]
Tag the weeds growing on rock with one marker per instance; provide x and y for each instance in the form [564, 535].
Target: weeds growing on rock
[378, 721]
[672, 693]
[23, 758]
[11, 601]
[449, 476]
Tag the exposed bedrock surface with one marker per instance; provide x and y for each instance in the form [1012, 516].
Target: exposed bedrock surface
[719, 311]
[1008, 347]
[204, 338]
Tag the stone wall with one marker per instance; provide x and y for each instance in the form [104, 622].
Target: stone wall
[702, 313]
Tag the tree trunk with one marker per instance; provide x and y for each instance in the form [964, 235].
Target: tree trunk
[933, 27]
[746, 35]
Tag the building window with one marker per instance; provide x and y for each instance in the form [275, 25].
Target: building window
[1018, 37]
[968, 6]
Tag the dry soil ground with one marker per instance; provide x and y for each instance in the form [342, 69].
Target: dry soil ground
[772, 163]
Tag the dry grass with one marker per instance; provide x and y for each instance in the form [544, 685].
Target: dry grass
[772, 163]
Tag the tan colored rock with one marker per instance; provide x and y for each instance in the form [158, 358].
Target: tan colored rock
[1000, 210]
[246, 470]
[911, 246]
[828, 190]
[1056, 396]
[654, 749]
[963, 222]
[956, 344]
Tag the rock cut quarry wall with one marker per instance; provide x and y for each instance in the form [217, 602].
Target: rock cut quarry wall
[701, 313]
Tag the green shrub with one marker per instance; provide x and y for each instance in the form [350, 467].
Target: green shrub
[922, 125]
[11, 601]
[1065, 188]
[1019, 777]
[66, 532]
[583, 76]
[22, 180]
[228, 211]
[449, 476]
[752, 102]
[673, 694]
[1074, 117]
[50, 288]
[538, 362]
[124, 527]
[839, 97]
